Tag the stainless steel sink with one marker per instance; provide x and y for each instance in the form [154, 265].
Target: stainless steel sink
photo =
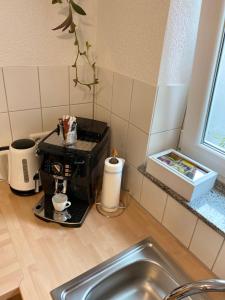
[143, 272]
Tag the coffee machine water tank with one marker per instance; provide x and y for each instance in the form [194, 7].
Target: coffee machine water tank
[23, 165]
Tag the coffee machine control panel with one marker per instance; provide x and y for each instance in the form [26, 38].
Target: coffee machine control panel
[57, 168]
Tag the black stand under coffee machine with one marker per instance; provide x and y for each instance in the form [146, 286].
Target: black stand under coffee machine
[74, 170]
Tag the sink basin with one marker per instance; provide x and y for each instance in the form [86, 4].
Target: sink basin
[143, 272]
[139, 280]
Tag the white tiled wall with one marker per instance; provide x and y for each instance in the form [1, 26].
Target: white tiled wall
[5, 130]
[219, 266]
[33, 98]
[22, 87]
[54, 86]
[25, 122]
[142, 104]
[144, 118]
[133, 181]
[163, 140]
[180, 221]
[170, 107]
[169, 110]
[3, 104]
[153, 199]
[203, 241]
[82, 110]
[131, 108]
[102, 114]
[4, 165]
[119, 129]
[136, 146]
[127, 106]
[206, 243]
[80, 94]
[104, 89]
[50, 114]
[122, 91]
[136, 112]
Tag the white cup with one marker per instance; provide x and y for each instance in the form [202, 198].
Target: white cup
[60, 201]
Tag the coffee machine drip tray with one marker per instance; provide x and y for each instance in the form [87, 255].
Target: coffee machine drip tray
[71, 217]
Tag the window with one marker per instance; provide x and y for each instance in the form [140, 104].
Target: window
[214, 131]
[203, 135]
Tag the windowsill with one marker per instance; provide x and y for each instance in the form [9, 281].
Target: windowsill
[210, 207]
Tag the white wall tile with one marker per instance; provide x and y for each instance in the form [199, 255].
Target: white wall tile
[4, 165]
[122, 90]
[179, 221]
[206, 243]
[219, 266]
[170, 108]
[102, 114]
[51, 115]
[5, 132]
[82, 110]
[3, 105]
[143, 97]
[153, 199]
[119, 129]
[133, 181]
[25, 122]
[163, 140]
[104, 88]
[136, 146]
[80, 94]
[54, 85]
[22, 87]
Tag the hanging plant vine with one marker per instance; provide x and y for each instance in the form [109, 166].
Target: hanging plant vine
[69, 24]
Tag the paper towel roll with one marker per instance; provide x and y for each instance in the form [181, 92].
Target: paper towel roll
[110, 198]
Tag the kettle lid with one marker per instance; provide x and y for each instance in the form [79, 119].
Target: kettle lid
[23, 144]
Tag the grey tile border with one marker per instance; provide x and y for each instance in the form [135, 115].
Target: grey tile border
[210, 208]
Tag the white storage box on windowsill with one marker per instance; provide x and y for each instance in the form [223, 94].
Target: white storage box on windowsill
[185, 176]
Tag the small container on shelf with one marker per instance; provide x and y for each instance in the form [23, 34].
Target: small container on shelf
[182, 174]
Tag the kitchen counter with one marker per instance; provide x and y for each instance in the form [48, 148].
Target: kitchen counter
[36, 257]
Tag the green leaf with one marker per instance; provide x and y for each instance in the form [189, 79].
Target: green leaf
[88, 45]
[72, 28]
[56, 1]
[78, 9]
[68, 22]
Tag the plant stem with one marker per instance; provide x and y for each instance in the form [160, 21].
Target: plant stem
[86, 54]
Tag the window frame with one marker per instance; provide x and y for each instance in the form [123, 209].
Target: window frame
[211, 28]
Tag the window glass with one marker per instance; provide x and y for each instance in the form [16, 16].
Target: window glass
[214, 133]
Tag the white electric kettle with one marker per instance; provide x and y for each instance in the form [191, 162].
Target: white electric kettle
[24, 167]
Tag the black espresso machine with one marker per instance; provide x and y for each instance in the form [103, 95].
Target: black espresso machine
[74, 170]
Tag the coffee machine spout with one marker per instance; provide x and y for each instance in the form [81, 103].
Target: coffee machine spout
[36, 179]
[64, 186]
[60, 184]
